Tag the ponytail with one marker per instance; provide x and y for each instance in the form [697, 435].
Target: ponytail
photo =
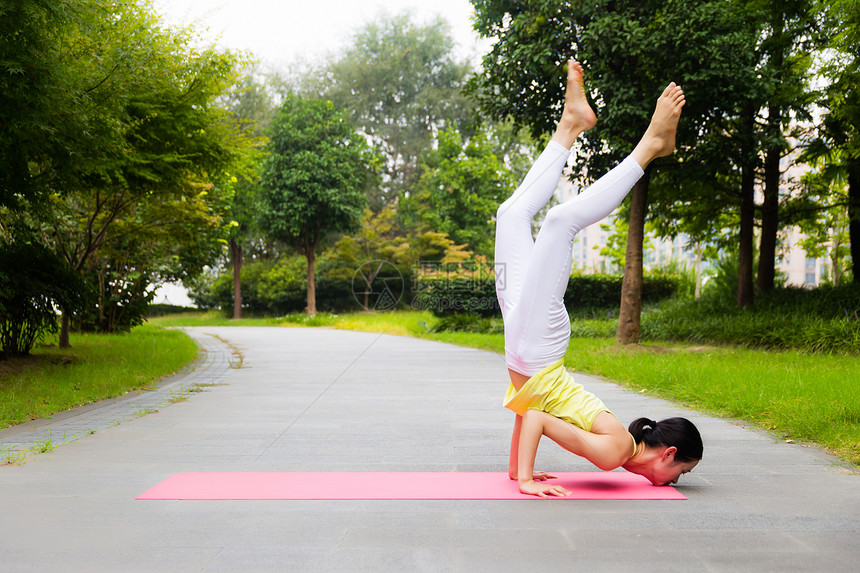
[677, 432]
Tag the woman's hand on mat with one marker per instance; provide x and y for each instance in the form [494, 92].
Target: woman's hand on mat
[542, 490]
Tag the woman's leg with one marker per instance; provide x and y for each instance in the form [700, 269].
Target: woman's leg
[514, 242]
[514, 218]
[539, 325]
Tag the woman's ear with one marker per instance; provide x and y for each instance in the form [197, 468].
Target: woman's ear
[669, 454]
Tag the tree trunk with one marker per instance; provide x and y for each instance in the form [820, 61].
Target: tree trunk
[745, 294]
[769, 221]
[698, 293]
[854, 217]
[745, 239]
[102, 274]
[631, 285]
[312, 291]
[63, 342]
[236, 258]
[834, 259]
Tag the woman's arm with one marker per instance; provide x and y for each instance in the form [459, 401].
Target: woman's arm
[606, 450]
[515, 445]
[531, 429]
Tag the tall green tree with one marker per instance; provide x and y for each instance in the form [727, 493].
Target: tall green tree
[253, 108]
[314, 180]
[401, 83]
[630, 50]
[155, 132]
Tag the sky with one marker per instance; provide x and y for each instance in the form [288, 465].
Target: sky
[279, 32]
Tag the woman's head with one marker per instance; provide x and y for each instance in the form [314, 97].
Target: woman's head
[674, 446]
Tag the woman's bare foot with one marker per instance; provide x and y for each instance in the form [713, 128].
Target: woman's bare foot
[659, 138]
[577, 115]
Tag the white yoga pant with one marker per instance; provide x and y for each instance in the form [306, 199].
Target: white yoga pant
[532, 275]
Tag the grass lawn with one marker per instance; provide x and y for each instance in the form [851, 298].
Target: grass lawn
[97, 367]
[812, 398]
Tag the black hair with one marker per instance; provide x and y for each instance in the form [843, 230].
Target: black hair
[678, 432]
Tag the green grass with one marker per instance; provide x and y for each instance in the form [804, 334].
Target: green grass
[805, 397]
[210, 318]
[95, 368]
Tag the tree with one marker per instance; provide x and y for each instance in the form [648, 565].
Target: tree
[462, 186]
[252, 109]
[401, 84]
[630, 50]
[154, 135]
[313, 182]
[170, 238]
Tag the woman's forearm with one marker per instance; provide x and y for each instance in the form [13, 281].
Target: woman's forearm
[515, 445]
[531, 430]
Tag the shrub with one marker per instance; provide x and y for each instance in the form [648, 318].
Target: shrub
[277, 288]
[819, 320]
[113, 302]
[586, 295]
[161, 309]
[34, 284]
[469, 322]
[450, 295]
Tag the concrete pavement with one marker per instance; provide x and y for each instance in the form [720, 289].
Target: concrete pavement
[326, 400]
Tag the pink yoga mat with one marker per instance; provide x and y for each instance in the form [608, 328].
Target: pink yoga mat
[395, 485]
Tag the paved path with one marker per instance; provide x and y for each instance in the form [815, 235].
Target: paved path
[325, 400]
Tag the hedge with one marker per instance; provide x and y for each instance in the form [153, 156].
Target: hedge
[444, 296]
[276, 288]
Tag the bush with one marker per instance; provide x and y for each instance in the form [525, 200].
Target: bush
[597, 291]
[34, 285]
[586, 295]
[277, 288]
[469, 322]
[450, 295]
[825, 301]
[167, 309]
[113, 302]
[819, 320]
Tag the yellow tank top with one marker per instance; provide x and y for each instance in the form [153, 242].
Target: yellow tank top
[553, 390]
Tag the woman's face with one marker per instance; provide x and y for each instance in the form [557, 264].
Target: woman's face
[666, 471]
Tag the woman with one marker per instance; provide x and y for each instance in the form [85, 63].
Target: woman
[531, 277]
